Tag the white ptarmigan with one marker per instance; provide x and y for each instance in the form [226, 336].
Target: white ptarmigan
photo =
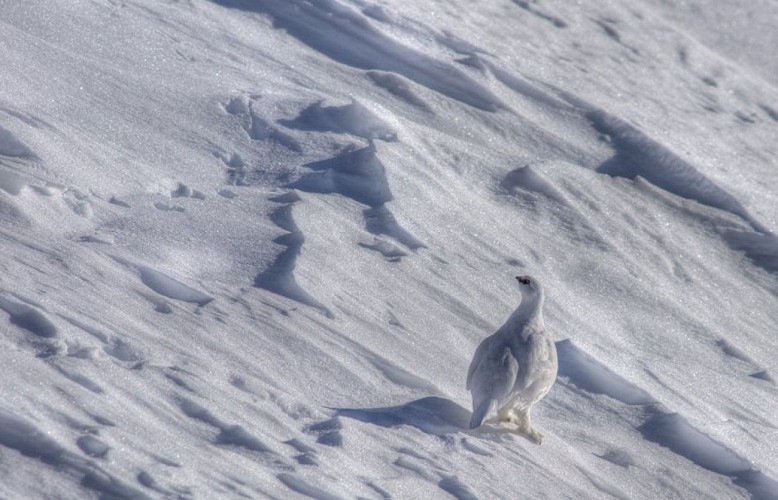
[516, 366]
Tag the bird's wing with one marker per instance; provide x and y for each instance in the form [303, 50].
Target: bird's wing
[478, 357]
[495, 376]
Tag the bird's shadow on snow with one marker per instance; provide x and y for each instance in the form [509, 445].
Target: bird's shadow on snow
[432, 415]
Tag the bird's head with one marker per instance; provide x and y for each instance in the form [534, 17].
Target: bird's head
[528, 285]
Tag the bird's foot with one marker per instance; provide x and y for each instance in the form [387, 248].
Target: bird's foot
[533, 435]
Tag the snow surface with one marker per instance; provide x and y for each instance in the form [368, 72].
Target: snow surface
[249, 247]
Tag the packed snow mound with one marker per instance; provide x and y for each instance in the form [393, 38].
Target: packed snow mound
[248, 248]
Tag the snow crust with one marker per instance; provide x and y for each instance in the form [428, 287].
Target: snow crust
[248, 248]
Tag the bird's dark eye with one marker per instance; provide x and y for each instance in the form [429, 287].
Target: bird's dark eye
[524, 281]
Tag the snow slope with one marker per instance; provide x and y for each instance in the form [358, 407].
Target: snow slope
[249, 247]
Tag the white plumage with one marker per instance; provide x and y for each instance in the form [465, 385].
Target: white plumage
[516, 366]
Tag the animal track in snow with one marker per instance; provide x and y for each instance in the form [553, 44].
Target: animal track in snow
[299, 485]
[427, 469]
[184, 191]
[756, 371]
[92, 446]
[236, 169]
[256, 127]
[619, 457]
[457, 488]
[608, 26]
[119, 203]
[167, 207]
[166, 286]
[233, 435]
[763, 375]
[769, 111]
[328, 432]
[532, 9]
[28, 317]
[171, 288]
[307, 454]
[71, 374]
[11, 182]
[12, 147]
[113, 346]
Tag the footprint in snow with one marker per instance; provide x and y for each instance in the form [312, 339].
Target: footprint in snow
[28, 317]
[328, 432]
[112, 345]
[167, 286]
[307, 455]
[255, 126]
[231, 435]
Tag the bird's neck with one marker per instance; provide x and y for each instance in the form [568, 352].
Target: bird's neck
[530, 311]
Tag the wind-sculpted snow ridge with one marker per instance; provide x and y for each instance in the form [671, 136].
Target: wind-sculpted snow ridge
[590, 375]
[279, 277]
[352, 118]
[354, 172]
[636, 155]
[761, 248]
[660, 425]
[639, 155]
[359, 175]
[349, 38]
[398, 86]
[528, 179]
[311, 148]
[673, 431]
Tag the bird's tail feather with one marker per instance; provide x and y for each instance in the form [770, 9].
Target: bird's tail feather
[480, 413]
